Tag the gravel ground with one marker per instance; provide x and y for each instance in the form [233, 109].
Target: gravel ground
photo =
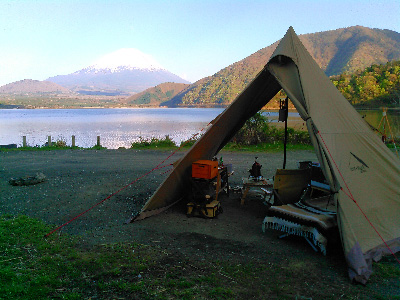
[78, 179]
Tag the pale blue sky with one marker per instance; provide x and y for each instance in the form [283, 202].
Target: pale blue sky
[192, 39]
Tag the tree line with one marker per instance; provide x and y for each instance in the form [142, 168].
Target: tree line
[375, 86]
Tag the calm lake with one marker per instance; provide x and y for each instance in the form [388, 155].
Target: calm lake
[120, 127]
[116, 127]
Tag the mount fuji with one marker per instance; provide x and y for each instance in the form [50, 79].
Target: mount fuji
[125, 71]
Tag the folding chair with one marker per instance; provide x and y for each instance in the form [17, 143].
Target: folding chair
[289, 185]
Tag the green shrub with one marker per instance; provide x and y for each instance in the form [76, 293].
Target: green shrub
[253, 131]
[257, 130]
[165, 142]
[188, 143]
[60, 144]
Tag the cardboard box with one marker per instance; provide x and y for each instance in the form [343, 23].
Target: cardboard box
[205, 169]
[213, 209]
[210, 210]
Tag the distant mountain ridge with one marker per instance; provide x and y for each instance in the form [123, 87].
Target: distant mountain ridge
[125, 71]
[33, 87]
[336, 51]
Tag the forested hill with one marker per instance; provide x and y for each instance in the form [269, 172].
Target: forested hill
[155, 95]
[338, 51]
[377, 85]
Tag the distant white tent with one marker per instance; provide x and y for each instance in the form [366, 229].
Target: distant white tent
[362, 172]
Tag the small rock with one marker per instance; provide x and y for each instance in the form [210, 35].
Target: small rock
[28, 180]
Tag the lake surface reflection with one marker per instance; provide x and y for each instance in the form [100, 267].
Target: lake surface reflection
[121, 127]
[116, 127]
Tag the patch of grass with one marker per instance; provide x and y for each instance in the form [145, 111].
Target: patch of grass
[221, 293]
[97, 147]
[33, 267]
[386, 268]
[56, 267]
[391, 145]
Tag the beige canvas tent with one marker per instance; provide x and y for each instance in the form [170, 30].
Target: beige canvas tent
[362, 172]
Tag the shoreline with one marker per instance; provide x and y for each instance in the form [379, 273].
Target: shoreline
[272, 109]
[11, 106]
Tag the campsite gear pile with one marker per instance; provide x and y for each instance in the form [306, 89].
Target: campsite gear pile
[302, 205]
[363, 174]
[206, 184]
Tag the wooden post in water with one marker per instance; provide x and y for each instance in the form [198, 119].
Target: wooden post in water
[24, 141]
[49, 141]
[98, 141]
[73, 141]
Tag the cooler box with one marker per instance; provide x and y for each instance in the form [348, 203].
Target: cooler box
[205, 169]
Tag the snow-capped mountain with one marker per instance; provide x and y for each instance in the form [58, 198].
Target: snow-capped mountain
[125, 59]
[120, 72]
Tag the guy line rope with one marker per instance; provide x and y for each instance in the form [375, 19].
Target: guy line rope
[350, 195]
[159, 166]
